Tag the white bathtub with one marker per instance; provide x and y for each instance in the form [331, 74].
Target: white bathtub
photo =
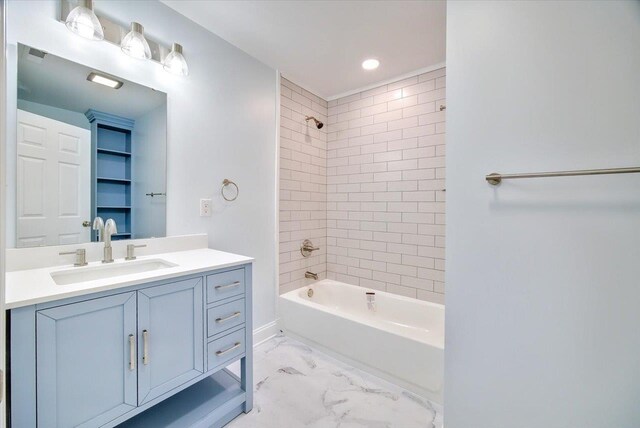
[402, 341]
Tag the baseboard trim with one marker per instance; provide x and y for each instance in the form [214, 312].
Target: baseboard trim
[265, 332]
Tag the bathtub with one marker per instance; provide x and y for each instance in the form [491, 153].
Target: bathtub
[402, 341]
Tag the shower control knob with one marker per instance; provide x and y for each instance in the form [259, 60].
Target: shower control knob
[307, 248]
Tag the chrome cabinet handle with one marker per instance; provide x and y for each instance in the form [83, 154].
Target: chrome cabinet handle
[132, 352]
[221, 320]
[236, 346]
[233, 284]
[145, 347]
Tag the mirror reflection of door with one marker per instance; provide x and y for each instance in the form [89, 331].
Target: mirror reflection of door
[53, 183]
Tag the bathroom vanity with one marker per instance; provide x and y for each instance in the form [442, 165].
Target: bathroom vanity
[99, 335]
[142, 343]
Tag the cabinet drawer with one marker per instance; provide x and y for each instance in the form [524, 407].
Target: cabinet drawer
[225, 284]
[224, 317]
[225, 349]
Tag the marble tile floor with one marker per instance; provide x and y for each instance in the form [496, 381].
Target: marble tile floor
[297, 386]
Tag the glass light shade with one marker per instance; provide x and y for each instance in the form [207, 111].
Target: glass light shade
[134, 44]
[175, 62]
[84, 22]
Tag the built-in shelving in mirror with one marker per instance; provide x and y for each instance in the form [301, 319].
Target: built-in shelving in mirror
[87, 144]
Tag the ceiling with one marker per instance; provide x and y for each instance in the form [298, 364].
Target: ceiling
[61, 83]
[320, 45]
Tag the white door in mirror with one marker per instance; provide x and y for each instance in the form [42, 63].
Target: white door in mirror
[205, 207]
[53, 182]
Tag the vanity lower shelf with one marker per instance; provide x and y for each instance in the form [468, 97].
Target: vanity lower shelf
[213, 401]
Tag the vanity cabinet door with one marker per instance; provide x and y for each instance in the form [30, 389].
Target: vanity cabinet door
[170, 337]
[85, 374]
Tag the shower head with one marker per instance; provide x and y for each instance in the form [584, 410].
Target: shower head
[319, 124]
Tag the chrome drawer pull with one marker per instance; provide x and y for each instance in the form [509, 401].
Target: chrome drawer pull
[132, 352]
[236, 346]
[233, 284]
[145, 347]
[221, 320]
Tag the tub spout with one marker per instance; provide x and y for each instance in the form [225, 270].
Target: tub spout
[311, 275]
[371, 301]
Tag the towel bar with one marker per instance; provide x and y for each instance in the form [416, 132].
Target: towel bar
[496, 178]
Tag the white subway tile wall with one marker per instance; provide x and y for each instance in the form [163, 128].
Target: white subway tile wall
[385, 187]
[303, 185]
[368, 188]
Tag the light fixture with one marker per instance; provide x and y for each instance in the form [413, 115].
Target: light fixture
[104, 80]
[84, 22]
[134, 44]
[175, 62]
[370, 64]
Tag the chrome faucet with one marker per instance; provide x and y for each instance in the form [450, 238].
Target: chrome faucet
[98, 224]
[311, 275]
[131, 248]
[109, 229]
[81, 256]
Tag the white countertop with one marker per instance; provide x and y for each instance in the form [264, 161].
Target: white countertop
[28, 287]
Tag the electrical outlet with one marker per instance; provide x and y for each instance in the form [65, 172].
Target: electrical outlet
[205, 207]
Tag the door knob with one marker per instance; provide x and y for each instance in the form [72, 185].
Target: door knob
[86, 223]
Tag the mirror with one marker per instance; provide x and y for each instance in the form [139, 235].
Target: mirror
[88, 145]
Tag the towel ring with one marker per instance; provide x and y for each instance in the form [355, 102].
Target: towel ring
[225, 183]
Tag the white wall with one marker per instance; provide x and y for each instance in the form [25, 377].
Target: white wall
[542, 274]
[385, 176]
[149, 151]
[303, 185]
[221, 124]
[367, 188]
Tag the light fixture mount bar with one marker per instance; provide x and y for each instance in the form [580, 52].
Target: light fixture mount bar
[114, 32]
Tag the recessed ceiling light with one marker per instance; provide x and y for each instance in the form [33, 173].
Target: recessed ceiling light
[104, 80]
[370, 64]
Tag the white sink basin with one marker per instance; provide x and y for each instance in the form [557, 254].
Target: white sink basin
[83, 274]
